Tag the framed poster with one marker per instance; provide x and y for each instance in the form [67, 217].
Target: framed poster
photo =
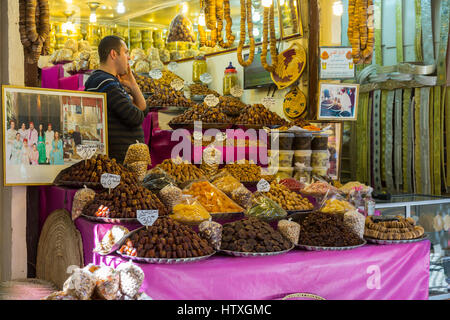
[42, 129]
[338, 101]
[336, 63]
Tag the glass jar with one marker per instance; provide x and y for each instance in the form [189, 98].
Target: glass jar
[199, 67]
[230, 79]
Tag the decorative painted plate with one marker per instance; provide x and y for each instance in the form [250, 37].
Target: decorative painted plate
[294, 104]
[291, 64]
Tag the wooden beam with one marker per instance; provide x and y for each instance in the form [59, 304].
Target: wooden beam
[313, 48]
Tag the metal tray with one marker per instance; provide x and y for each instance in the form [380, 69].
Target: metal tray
[164, 260]
[316, 248]
[226, 215]
[190, 126]
[383, 242]
[110, 220]
[255, 254]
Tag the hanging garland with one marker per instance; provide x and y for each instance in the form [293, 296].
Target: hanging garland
[293, 16]
[224, 9]
[269, 20]
[246, 19]
[361, 30]
[215, 12]
[34, 28]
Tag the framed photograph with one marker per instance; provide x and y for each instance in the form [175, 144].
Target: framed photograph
[338, 101]
[336, 63]
[43, 128]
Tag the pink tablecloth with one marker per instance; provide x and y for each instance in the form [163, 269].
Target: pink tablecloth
[394, 272]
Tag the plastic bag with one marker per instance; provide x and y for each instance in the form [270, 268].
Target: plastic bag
[54, 57]
[65, 55]
[59, 296]
[356, 221]
[71, 44]
[139, 168]
[84, 55]
[114, 235]
[214, 200]
[189, 211]
[82, 65]
[156, 179]
[80, 284]
[84, 45]
[319, 188]
[137, 54]
[107, 283]
[170, 195]
[265, 209]
[80, 199]
[334, 203]
[211, 160]
[242, 196]
[164, 55]
[211, 231]
[137, 152]
[94, 61]
[131, 278]
[142, 66]
[181, 29]
[290, 230]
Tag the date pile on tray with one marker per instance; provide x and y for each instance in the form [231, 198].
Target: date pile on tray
[257, 114]
[166, 239]
[252, 235]
[91, 170]
[165, 96]
[123, 202]
[181, 172]
[202, 112]
[246, 171]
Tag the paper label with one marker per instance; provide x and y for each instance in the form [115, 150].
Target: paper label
[86, 151]
[206, 78]
[268, 102]
[237, 91]
[211, 100]
[172, 66]
[263, 186]
[156, 74]
[177, 84]
[147, 217]
[110, 181]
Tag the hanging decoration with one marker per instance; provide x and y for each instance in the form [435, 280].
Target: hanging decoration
[290, 66]
[34, 28]
[294, 104]
[214, 12]
[246, 20]
[269, 22]
[361, 30]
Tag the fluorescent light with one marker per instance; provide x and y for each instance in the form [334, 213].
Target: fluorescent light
[68, 26]
[267, 3]
[338, 8]
[201, 19]
[120, 8]
[93, 18]
[185, 8]
[69, 1]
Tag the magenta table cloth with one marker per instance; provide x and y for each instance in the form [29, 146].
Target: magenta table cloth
[391, 272]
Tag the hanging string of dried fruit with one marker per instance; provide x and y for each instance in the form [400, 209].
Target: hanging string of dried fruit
[211, 24]
[293, 16]
[215, 13]
[361, 30]
[246, 20]
[269, 21]
[34, 27]
[223, 8]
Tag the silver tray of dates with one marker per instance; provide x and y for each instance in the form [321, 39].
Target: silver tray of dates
[110, 220]
[165, 260]
[255, 254]
[379, 241]
[318, 248]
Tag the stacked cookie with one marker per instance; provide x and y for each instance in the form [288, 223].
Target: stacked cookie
[397, 228]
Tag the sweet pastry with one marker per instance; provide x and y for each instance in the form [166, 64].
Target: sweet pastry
[397, 228]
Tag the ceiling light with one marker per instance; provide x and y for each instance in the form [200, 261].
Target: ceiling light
[69, 1]
[120, 7]
[68, 27]
[338, 8]
[256, 17]
[281, 2]
[93, 16]
[201, 19]
[185, 8]
[267, 3]
[255, 32]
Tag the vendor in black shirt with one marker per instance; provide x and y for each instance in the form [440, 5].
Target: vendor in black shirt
[125, 113]
[77, 135]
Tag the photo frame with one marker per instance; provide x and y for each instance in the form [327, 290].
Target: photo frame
[338, 101]
[43, 129]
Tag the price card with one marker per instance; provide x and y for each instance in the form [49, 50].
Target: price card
[237, 91]
[211, 100]
[147, 217]
[156, 74]
[86, 151]
[109, 181]
[206, 78]
[263, 186]
[172, 66]
[268, 102]
[177, 84]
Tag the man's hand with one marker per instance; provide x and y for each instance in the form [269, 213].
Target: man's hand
[128, 79]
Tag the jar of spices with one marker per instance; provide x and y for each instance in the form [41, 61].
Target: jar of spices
[230, 79]
[199, 67]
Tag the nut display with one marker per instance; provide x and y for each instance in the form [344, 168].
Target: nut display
[257, 114]
[139, 169]
[327, 230]
[181, 29]
[336, 206]
[288, 199]
[246, 172]
[202, 112]
[211, 231]
[92, 169]
[170, 195]
[182, 172]
[137, 152]
[356, 221]
[168, 239]
[124, 201]
[396, 228]
[201, 90]
[252, 235]
[82, 196]
[289, 229]
[214, 200]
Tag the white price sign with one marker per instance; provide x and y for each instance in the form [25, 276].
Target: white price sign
[236, 92]
[263, 186]
[156, 74]
[86, 151]
[206, 78]
[147, 217]
[211, 100]
[177, 84]
[268, 102]
[110, 181]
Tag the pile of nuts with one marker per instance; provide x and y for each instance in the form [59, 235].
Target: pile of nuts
[231, 106]
[182, 172]
[169, 239]
[202, 113]
[257, 114]
[198, 89]
[288, 199]
[91, 171]
[137, 159]
[124, 201]
[246, 172]
[252, 235]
